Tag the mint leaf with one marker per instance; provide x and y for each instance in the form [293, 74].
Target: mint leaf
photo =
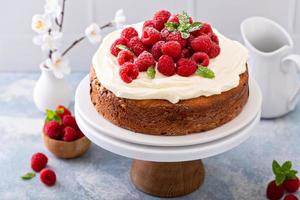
[276, 167]
[183, 27]
[151, 72]
[60, 110]
[291, 174]
[195, 26]
[286, 166]
[171, 26]
[123, 47]
[185, 35]
[52, 115]
[184, 18]
[28, 176]
[205, 72]
[279, 179]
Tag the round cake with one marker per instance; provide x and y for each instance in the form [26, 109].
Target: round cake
[169, 75]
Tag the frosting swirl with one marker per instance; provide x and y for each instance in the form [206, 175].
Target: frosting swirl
[227, 66]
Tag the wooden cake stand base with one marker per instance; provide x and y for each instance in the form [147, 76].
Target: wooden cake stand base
[167, 179]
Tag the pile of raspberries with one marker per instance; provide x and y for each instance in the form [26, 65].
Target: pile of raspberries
[163, 49]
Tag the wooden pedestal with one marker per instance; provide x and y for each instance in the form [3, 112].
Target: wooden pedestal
[167, 179]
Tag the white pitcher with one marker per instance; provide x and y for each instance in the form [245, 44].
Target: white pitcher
[50, 91]
[272, 65]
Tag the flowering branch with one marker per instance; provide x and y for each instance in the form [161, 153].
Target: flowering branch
[62, 16]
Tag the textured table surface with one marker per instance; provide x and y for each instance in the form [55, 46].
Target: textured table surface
[241, 173]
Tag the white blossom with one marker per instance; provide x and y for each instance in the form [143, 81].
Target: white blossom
[93, 33]
[41, 23]
[48, 41]
[58, 65]
[120, 18]
[53, 8]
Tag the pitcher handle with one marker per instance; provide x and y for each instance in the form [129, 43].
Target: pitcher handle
[293, 100]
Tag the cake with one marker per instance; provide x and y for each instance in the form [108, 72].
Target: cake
[169, 75]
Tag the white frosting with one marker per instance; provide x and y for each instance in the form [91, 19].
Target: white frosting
[227, 66]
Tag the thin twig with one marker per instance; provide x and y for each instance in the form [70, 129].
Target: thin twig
[109, 24]
[62, 16]
[72, 45]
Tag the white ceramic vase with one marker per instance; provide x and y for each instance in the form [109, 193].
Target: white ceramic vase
[50, 91]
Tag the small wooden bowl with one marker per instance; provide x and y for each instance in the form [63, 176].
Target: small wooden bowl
[64, 149]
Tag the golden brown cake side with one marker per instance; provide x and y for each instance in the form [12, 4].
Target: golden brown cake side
[160, 117]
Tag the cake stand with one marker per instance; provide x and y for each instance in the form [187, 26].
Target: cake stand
[166, 166]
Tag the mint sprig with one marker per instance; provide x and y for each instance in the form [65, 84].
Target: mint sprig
[184, 26]
[28, 176]
[151, 72]
[53, 115]
[283, 172]
[205, 72]
[123, 47]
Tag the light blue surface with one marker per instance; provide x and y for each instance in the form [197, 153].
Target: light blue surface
[241, 173]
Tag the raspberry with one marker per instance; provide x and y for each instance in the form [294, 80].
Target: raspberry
[144, 61]
[38, 161]
[129, 33]
[69, 121]
[60, 108]
[70, 134]
[136, 45]
[166, 65]
[171, 48]
[176, 36]
[190, 39]
[204, 30]
[80, 134]
[114, 49]
[186, 53]
[125, 56]
[186, 67]
[48, 177]
[291, 185]
[162, 15]
[156, 49]
[150, 36]
[214, 38]
[290, 197]
[274, 192]
[53, 129]
[164, 33]
[128, 72]
[201, 43]
[214, 50]
[149, 23]
[201, 58]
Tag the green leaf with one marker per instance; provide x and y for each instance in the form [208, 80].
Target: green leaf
[276, 167]
[28, 176]
[183, 27]
[279, 179]
[205, 72]
[184, 18]
[151, 72]
[52, 115]
[60, 110]
[185, 35]
[291, 174]
[171, 26]
[195, 26]
[286, 166]
[123, 47]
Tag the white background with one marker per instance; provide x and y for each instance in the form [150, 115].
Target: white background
[18, 53]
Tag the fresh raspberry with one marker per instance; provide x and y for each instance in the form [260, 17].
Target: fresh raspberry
[186, 53]
[114, 49]
[38, 161]
[150, 36]
[204, 30]
[201, 58]
[186, 67]
[190, 39]
[274, 192]
[129, 72]
[136, 45]
[201, 43]
[53, 129]
[48, 177]
[60, 108]
[214, 50]
[70, 134]
[176, 36]
[144, 61]
[291, 185]
[80, 134]
[69, 121]
[166, 65]
[162, 15]
[164, 33]
[214, 38]
[149, 23]
[129, 33]
[156, 49]
[125, 56]
[290, 197]
[174, 19]
[171, 48]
